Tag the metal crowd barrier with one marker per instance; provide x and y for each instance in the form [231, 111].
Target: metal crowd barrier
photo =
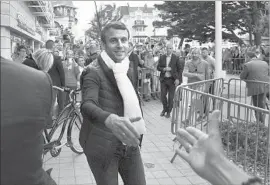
[233, 65]
[246, 140]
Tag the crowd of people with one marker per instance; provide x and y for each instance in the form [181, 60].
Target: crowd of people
[234, 57]
[113, 124]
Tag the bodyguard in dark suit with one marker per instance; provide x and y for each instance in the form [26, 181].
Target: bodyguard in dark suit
[256, 70]
[26, 100]
[170, 77]
[135, 62]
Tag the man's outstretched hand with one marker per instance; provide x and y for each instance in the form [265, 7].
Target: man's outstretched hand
[123, 129]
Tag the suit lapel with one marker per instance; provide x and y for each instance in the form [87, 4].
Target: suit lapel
[170, 63]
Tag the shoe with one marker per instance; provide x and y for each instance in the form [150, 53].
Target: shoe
[162, 113]
[168, 115]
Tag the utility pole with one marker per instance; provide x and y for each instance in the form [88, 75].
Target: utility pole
[218, 39]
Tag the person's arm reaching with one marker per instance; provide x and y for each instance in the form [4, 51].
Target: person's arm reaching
[204, 153]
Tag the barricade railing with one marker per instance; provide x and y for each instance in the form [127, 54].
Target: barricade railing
[212, 86]
[246, 141]
[233, 65]
[250, 92]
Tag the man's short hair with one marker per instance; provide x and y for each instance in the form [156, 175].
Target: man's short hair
[115, 25]
[49, 44]
[204, 48]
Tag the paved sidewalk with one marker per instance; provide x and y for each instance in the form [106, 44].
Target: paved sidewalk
[157, 150]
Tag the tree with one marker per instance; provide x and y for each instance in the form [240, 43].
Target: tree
[103, 16]
[195, 19]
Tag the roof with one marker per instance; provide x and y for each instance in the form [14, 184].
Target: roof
[126, 10]
[63, 3]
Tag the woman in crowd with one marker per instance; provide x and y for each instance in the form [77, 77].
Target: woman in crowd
[151, 65]
[71, 70]
[19, 54]
[42, 60]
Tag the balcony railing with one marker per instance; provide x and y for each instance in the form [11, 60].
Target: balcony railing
[139, 23]
[43, 10]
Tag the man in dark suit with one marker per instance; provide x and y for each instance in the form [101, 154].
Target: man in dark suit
[256, 70]
[58, 77]
[170, 77]
[135, 62]
[26, 101]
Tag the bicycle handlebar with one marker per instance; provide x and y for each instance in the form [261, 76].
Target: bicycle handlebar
[65, 89]
[71, 92]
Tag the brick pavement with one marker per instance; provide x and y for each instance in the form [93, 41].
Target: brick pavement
[72, 169]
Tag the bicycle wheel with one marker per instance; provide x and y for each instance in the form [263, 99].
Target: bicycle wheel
[74, 132]
[56, 135]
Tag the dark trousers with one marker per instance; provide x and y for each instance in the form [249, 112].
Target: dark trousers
[60, 100]
[126, 161]
[259, 101]
[107, 156]
[167, 87]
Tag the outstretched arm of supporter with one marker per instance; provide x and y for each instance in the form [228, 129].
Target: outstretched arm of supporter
[205, 154]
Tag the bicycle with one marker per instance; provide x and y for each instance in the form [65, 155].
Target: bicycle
[70, 116]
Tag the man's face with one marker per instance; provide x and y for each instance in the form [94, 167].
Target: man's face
[169, 49]
[204, 53]
[81, 62]
[56, 53]
[116, 45]
[69, 54]
[22, 53]
[195, 54]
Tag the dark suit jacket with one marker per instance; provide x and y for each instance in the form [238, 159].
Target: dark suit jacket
[175, 64]
[31, 63]
[100, 98]
[26, 101]
[134, 64]
[57, 72]
[257, 70]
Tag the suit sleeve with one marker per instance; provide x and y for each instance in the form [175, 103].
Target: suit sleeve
[181, 64]
[244, 73]
[61, 72]
[159, 68]
[90, 85]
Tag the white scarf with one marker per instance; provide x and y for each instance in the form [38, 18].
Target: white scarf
[131, 103]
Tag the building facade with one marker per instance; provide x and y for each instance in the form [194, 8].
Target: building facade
[139, 21]
[65, 19]
[24, 22]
